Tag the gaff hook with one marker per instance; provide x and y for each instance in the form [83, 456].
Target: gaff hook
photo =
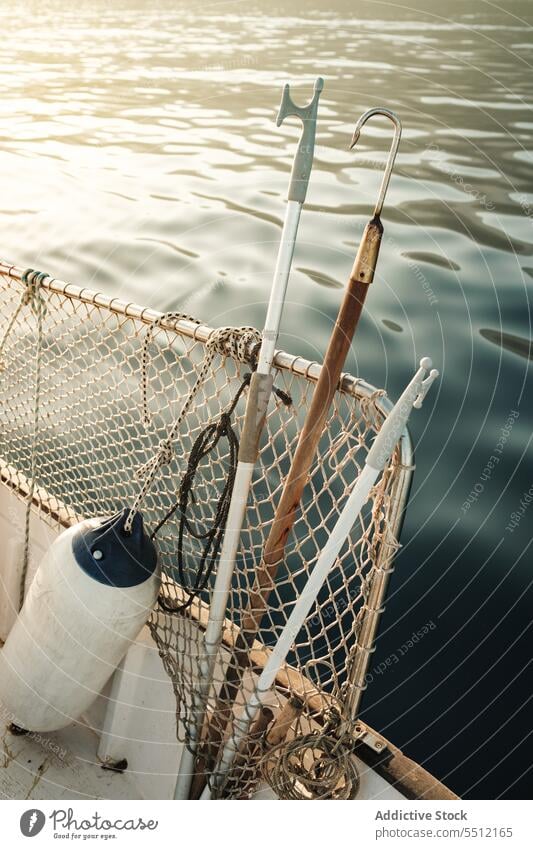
[379, 110]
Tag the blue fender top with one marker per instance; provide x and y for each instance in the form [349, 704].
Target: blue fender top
[110, 556]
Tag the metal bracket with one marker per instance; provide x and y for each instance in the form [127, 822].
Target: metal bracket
[374, 742]
[303, 161]
[360, 733]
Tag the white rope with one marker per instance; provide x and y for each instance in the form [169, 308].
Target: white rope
[241, 343]
[31, 296]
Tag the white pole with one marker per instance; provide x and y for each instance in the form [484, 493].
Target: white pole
[377, 458]
[256, 407]
[279, 287]
[237, 510]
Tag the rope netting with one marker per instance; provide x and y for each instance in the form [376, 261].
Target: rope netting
[93, 436]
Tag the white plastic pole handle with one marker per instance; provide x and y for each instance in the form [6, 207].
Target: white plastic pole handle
[377, 458]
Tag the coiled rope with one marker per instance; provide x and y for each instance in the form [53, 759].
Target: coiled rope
[319, 765]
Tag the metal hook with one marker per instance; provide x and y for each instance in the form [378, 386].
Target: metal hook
[379, 110]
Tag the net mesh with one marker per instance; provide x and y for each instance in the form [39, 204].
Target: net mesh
[92, 440]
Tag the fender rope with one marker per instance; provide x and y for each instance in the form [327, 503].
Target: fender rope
[32, 297]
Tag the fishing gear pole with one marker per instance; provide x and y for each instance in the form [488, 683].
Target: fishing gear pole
[348, 317]
[377, 458]
[256, 409]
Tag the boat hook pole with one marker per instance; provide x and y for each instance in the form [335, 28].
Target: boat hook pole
[256, 409]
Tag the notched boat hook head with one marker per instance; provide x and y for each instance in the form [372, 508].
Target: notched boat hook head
[380, 110]
[425, 383]
[303, 161]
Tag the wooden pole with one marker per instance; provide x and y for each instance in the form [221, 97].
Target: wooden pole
[265, 733]
[281, 726]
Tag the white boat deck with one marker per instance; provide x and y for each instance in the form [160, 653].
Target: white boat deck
[59, 765]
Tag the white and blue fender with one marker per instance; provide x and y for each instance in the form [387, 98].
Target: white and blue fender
[90, 597]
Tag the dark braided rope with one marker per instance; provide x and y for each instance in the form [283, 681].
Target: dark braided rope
[204, 444]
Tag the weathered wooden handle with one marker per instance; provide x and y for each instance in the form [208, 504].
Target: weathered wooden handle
[362, 275]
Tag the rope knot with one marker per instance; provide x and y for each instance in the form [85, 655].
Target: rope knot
[223, 422]
[165, 451]
[30, 292]
[238, 342]
[162, 457]
[31, 295]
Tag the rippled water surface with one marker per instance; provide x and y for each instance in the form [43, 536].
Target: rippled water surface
[139, 156]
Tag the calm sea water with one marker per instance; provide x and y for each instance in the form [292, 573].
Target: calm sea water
[139, 155]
